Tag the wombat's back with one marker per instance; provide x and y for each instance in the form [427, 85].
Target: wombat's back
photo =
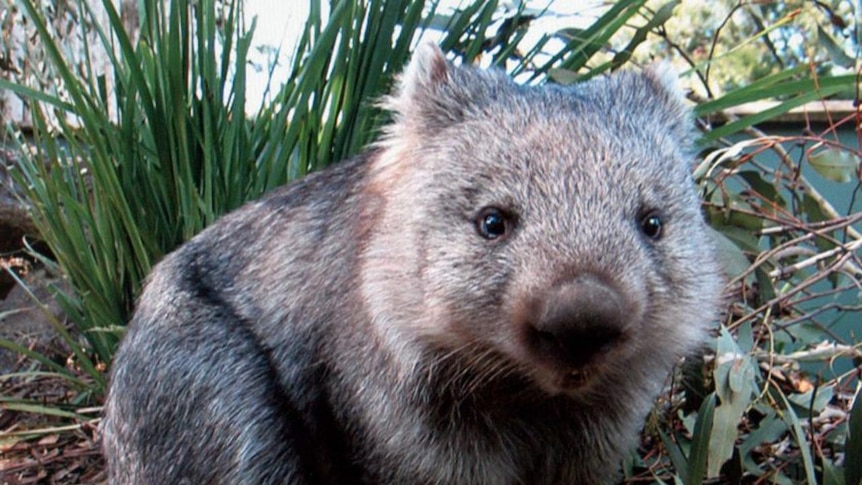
[218, 379]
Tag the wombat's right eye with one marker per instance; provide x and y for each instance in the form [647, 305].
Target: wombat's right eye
[652, 225]
[492, 223]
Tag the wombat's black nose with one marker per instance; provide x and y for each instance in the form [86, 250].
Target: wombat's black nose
[579, 320]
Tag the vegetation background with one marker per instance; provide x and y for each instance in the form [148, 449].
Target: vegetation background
[140, 137]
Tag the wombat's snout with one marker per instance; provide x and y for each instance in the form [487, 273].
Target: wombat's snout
[578, 320]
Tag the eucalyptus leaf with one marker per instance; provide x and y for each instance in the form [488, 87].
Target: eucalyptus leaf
[831, 473]
[769, 429]
[755, 180]
[765, 285]
[735, 386]
[745, 239]
[737, 212]
[700, 441]
[733, 260]
[815, 402]
[677, 458]
[837, 165]
[799, 436]
[814, 213]
[741, 378]
[745, 337]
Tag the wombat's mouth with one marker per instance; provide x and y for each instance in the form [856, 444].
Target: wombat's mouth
[576, 378]
[573, 382]
[572, 365]
[574, 354]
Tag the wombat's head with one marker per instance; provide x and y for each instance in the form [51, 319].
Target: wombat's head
[551, 233]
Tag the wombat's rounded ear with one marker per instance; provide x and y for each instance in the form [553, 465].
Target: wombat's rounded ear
[419, 97]
[665, 82]
[433, 93]
[427, 70]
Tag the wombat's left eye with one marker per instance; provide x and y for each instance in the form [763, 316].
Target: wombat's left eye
[492, 223]
[652, 225]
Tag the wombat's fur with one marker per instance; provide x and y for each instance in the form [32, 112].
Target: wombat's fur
[493, 294]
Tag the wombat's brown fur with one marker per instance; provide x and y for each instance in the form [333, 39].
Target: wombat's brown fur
[493, 294]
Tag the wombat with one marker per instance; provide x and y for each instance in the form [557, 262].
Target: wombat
[494, 293]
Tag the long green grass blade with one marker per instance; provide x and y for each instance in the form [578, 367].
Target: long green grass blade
[42, 359]
[802, 91]
[774, 89]
[37, 409]
[30, 93]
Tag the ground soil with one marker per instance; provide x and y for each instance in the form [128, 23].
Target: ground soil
[35, 447]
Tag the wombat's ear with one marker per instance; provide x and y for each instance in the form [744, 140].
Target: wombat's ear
[433, 93]
[665, 83]
[427, 71]
[420, 97]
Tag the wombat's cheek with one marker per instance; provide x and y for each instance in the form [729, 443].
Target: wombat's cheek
[569, 335]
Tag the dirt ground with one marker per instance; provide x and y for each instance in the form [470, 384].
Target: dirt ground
[37, 447]
[45, 450]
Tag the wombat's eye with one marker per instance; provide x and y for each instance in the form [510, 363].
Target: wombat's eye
[492, 223]
[651, 225]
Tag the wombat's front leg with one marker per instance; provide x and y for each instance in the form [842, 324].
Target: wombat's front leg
[201, 380]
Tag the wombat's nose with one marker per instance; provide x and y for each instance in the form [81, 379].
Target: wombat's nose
[579, 320]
